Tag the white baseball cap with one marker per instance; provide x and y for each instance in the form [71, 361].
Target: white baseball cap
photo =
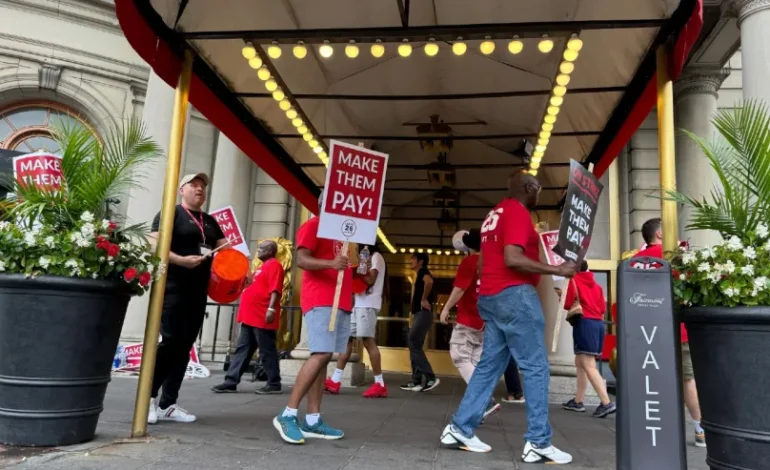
[187, 179]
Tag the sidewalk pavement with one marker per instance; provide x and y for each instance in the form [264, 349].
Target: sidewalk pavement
[234, 431]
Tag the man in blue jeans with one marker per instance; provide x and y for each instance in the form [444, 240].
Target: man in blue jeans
[510, 307]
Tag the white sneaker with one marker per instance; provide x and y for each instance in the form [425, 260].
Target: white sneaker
[550, 455]
[176, 413]
[152, 415]
[451, 436]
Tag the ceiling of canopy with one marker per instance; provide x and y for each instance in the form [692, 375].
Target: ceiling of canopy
[487, 104]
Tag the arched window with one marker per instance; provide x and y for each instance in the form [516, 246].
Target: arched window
[26, 127]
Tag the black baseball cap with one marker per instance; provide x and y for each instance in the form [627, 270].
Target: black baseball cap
[472, 239]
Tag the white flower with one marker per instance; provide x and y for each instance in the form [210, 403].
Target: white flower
[762, 231]
[704, 268]
[734, 244]
[71, 263]
[707, 253]
[766, 247]
[111, 263]
[4, 225]
[75, 272]
[161, 268]
[149, 268]
[682, 277]
[49, 241]
[95, 275]
[87, 217]
[714, 276]
[754, 293]
[730, 291]
[101, 259]
[689, 258]
[728, 267]
[87, 230]
[748, 270]
[29, 239]
[105, 225]
[760, 283]
[2, 266]
[44, 262]
[749, 252]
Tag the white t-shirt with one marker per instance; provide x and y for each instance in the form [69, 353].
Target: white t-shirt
[373, 300]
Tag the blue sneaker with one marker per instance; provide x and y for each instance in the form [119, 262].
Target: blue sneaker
[573, 405]
[321, 430]
[288, 428]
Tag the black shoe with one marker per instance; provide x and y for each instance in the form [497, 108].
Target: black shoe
[602, 411]
[224, 388]
[411, 387]
[268, 390]
[430, 385]
[572, 405]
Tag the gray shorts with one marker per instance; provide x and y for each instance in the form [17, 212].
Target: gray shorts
[319, 338]
[363, 322]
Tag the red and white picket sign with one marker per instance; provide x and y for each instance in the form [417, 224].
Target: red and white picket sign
[41, 169]
[549, 240]
[227, 221]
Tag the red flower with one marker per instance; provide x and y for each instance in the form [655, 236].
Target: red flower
[145, 278]
[130, 274]
[113, 226]
[113, 250]
[102, 242]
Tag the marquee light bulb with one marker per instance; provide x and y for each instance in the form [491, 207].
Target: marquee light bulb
[566, 67]
[411, 250]
[307, 136]
[540, 148]
[549, 119]
[536, 159]
[297, 122]
[562, 79]
[279, 95]
[405, 49]
[534, 165]
[291, 113]
[542, 141]
[313, 143]
[545, 45]
[271, 85]
[431, 49]
[557, 101]
[559, 90]
[303, 130]
[318, 149]
[300, 51]
[326, 50]
[263, 73]
[274, 51]
[553, 110]
[285, 105]
[255, 63]
[570, 55]
[538, 154]
[575, 43]
[248, 51]
[377, 50]
[545, 135]
[429, 250]
[323, 156]
[351, 50]
[547, 127]
[533, 172]
[459, 47]
[487, 47]
[515, 46]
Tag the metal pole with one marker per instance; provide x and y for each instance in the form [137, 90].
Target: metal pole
[666, 149]
[152, 328]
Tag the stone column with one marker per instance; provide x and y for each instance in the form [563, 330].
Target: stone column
[754, 21]
[230, 182]
[144, 203]
[695, 95]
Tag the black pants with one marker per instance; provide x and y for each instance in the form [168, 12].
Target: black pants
[420, 366]
[183, 313]
[248, 340]
[512, 381]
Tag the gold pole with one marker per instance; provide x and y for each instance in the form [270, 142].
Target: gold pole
[666, 149]
[152, 328]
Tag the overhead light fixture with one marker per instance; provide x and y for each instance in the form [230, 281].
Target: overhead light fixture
[559, 90]
[542, 142]
[326, 50]
[405, 49]
[562, 79]
[378, 49]
[297, 122]
[255, 63]
[303, 130]
[300, 51]
[318, 149]
[566, 67]
[533, 172]
[457, 252]
[553, 110]
[459, 47]
[429, 250]
[545, 45]
[279, 95]
[263, 73]
[538, 155]
[402, 250]
[306, 136]
[545, 135]
[549, 119]
[248, 51]
[515, 46]
[536, 159]
[351, 50]
[291, 113]
[575, 43]
[540, 148]
[570, 55]
[431, 49]
[313, 143]
[274, 51]
[285, 105]
[556, 101]
[271, 85]
[419, 250]
[487, 47]
[534, 165]
[547, 127]
[411, 250]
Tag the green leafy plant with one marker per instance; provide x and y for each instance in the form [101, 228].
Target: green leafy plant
[736, 271]
[70, 230]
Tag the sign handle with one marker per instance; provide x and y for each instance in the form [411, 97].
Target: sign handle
[561, 316]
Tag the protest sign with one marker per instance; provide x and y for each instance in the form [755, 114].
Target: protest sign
[227, 221]
[548, 240]
[578, 216]
[40, 169]
[128, 360]
[352, 201]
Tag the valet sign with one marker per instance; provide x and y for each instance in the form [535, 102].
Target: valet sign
[352, 201]
[40, 169]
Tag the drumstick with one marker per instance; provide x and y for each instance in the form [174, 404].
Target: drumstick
[338, 291]
[226, 244]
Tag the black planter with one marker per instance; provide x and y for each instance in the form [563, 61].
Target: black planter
[730, 350]
[57, 341]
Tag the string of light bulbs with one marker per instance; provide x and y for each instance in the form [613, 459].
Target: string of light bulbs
[430, 251]
[567, 66]
[377, 49]
[287, 105]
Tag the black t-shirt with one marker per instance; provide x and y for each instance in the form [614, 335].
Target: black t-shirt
[186, 240]
[419, 288]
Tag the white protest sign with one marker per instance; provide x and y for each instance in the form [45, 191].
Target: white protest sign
[227, 221]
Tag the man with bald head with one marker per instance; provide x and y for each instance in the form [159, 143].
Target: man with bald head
[259, 315]
[510, 270]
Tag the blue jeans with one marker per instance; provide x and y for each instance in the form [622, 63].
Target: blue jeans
[514, 327]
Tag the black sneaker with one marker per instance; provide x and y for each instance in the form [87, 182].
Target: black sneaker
[431, 384]
[411, 387]
[572, 405]
[268, 390]
[224, 388]
[602, 411]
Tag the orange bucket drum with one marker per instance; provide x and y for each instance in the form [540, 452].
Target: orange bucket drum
[228, 275]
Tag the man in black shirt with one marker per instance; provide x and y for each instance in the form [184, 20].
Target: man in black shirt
[194, 236]
[422, 309]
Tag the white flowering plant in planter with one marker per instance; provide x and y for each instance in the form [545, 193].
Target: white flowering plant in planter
[70, 230]
[735, 272]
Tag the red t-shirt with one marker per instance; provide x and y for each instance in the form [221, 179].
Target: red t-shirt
[508, 224]
[256, 298]
[467, 277]
[656, 251]
[318, 286]
[590, 293]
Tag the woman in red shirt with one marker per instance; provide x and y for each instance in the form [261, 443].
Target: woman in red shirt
[588, 338]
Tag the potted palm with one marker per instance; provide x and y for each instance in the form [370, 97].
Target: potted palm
[725, 290]
[68, 268]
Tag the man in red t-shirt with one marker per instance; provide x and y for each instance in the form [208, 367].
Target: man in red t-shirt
[514, 324]
[653, 236]
[259, 314]
[321, 260]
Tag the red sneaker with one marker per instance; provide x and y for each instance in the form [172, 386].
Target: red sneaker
[332, 386]
[376, 391]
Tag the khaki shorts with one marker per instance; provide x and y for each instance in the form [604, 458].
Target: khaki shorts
[687, 373]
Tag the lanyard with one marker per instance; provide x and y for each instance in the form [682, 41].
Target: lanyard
[198, 223]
